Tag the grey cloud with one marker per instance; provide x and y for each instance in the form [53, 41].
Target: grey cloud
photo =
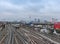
[32, 8]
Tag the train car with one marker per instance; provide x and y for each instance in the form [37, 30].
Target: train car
[57, 27]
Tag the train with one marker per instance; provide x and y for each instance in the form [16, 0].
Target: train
[57, 27]
[49, 29]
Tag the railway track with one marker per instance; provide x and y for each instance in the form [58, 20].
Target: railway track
[23, 36]
[13, 36]
[49, 38]
[52, 36]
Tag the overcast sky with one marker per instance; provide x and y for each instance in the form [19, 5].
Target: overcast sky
[23, 9]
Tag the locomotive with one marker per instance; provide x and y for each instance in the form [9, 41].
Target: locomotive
[57, 27]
